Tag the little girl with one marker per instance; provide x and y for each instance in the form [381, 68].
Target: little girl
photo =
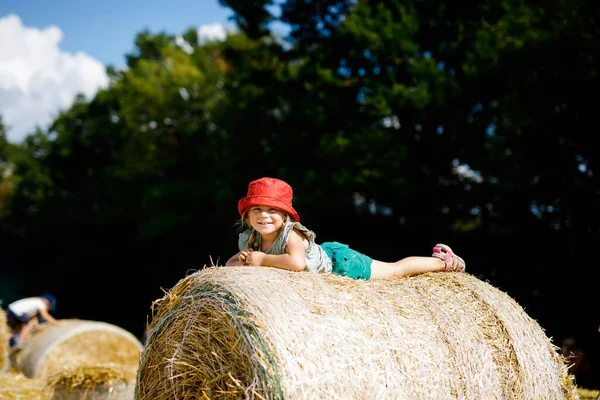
[275, 238]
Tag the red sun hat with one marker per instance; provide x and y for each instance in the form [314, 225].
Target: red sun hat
[269, 192]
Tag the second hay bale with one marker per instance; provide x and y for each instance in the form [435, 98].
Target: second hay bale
[74, 343]
[256, 332]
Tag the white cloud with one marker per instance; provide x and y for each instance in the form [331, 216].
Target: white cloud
[216, 31]
[207, 33]
[37, 79]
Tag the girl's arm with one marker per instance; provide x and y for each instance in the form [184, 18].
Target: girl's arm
[234, 260]
[294, 258]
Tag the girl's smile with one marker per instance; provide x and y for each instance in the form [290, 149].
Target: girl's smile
[266, 220]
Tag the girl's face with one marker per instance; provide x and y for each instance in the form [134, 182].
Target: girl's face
[266, 220]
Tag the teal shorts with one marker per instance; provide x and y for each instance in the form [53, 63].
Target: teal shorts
[348, 262]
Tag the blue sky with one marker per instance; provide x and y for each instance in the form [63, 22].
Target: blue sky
[50, 51]
[106, 29]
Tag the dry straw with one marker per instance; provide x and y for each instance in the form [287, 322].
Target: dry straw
[265, 333]
[4, 338]
[106, 382]
[16, 386]
[76, 343]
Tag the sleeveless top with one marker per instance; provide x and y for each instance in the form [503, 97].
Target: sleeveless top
[316, 258]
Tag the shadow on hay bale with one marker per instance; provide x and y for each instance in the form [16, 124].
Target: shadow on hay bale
[75, 343]
[252, 332]
[4, 345]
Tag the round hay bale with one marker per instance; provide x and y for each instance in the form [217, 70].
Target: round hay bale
[110, 382]
[75, 343]
[266, 333]
[4, 342]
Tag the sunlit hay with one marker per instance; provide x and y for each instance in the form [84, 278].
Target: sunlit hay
[265, 333]
[4, 339]
[16, 386]
[588, 394]
[109, 381]
[76, 343]
[91, 348]
[208, 353]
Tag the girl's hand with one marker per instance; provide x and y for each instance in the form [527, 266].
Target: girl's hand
[253, 257]
[243, 257]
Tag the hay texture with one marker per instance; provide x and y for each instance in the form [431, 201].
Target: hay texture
[4, 342]
[265, 333]
[108, 382]
[16, 386]
[76, 343]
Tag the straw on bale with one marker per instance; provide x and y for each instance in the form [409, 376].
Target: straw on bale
[266, 333]
[4, 339]
[74, 343]
[16, 386]
[100, 382]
